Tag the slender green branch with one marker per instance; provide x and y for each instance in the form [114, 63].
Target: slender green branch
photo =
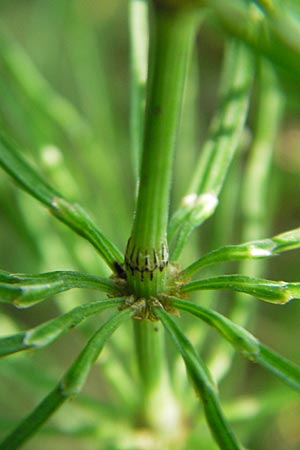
[98, 151]
[113, 369]
[46, 333]
[245, 342]
[27, 374]
[26, 290]
[70, 385]
[203, 383]
[69, 213]
[275, 35]
[171, 41]
[53, 116]
[220, 148]
[36, 87]
[279, 292]
[256, 189]
[138, 15]
[266, 5]
[260, 249]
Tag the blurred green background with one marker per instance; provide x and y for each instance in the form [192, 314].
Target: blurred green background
[65, 98]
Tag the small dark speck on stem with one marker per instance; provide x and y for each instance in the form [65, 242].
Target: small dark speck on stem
[157, 110]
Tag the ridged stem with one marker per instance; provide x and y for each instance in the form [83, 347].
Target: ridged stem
[171, 38]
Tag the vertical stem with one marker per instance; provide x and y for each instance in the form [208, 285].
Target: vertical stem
[170, 43]
[149, 346]
[159, 408]
[171, 38]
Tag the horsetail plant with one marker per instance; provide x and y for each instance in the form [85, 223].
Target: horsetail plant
[147, 283]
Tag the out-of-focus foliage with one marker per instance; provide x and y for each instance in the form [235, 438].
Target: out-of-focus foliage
[65, 90]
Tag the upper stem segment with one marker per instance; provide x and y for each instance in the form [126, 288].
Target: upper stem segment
[171, 39]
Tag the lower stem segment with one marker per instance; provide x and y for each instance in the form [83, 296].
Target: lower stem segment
[159, 408]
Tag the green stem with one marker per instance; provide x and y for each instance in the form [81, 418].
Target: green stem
[255, 188]
[219, 149]
[149, 347]
[171, 40]
[203, 384]
[155, 388]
